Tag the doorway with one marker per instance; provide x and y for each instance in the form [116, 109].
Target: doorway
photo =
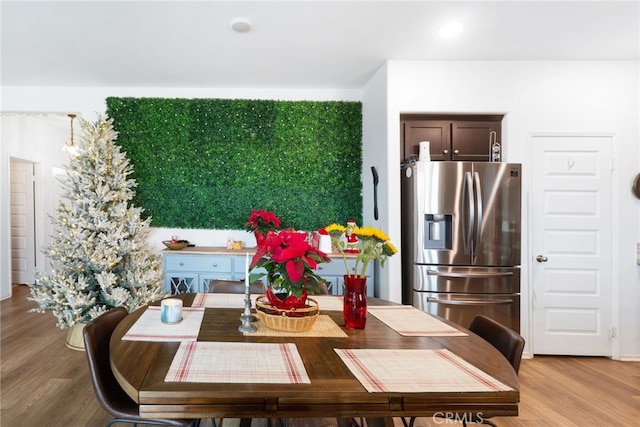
[23, 221]
[571, 238]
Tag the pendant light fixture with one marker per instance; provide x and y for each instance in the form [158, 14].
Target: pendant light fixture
[71, 147]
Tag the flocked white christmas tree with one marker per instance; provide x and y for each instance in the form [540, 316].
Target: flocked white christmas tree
[99, 252]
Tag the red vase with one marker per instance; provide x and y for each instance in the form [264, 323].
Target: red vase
[355, 301]
[260, 238]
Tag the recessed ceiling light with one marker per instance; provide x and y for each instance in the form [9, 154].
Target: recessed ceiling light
[241, 25]
[451, 29]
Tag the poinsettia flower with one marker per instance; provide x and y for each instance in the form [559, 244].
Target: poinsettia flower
[289, 261]
[262, 221]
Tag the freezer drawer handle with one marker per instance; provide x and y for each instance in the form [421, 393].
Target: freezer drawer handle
[470, 302]
[479, 274]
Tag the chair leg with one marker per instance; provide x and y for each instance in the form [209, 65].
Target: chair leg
[412, 420]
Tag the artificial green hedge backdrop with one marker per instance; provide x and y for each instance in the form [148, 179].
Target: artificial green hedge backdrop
[205, 163]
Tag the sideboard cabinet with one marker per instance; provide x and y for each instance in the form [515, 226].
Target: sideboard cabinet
[192, 268]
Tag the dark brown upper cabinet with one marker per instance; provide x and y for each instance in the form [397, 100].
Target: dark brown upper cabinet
[451, 137]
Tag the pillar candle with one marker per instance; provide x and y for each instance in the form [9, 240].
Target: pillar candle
[246, 272]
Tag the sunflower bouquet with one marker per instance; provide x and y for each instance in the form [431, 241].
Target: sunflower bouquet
[373, 244]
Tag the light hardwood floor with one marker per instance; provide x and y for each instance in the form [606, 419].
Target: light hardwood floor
[45, 383]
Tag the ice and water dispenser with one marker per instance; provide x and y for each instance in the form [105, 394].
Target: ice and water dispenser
[437, 231]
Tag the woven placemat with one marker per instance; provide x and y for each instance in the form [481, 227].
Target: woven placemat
[324, 326]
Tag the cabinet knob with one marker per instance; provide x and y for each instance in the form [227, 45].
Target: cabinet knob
[456, 151]
[181, 263]
[215, 265]
[445, 151]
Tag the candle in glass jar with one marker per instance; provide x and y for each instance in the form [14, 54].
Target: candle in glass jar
[171, 310]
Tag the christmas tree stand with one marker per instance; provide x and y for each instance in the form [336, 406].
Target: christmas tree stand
[75, 340]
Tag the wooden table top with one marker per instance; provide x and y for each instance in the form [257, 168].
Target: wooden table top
[141, 367]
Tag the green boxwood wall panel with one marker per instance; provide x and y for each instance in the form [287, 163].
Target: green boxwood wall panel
[205, 163]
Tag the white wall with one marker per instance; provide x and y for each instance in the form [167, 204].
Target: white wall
[553, 96]
[375, 145]
[37, 138]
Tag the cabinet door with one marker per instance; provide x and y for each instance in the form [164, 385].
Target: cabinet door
[437, 132]
[333, 283]
[470, 140]
[177, 282]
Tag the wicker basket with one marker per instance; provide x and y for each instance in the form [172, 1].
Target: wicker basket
[282, 320]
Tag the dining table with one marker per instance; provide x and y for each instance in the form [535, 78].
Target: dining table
[403, 363]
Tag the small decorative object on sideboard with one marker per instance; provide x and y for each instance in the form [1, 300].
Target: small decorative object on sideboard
[352, 238]
[175, 245]
[260, 222]
[373, 244]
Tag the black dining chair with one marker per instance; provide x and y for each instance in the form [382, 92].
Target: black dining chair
[507, 341]
[234, 287]
[111, 396]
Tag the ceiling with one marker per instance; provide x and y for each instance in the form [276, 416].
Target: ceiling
[292, 44]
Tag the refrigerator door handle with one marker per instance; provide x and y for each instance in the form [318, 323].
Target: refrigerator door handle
[479, 208]
[468, 208]
[480, 274]
[469, 302]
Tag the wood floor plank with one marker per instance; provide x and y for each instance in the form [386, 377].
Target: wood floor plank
[43, 382]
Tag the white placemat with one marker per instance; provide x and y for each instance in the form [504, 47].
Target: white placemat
[148, 327]
[329, 302]
[215, 300]
[238, 362]
[416, 371]
[409, 321]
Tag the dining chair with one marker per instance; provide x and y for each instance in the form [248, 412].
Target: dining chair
[238, 287]
[234, 287]
[506, 340]
[111, 396]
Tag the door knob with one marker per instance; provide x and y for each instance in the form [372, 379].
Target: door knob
[542, 258]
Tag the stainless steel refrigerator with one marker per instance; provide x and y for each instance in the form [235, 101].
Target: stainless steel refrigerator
[461, 240]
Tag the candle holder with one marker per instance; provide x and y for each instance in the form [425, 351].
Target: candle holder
[247, 318]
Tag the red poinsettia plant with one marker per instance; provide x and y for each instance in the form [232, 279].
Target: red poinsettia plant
[290, 264]
[261, 221]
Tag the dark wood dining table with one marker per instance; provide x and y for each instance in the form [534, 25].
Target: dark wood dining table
[141, 367]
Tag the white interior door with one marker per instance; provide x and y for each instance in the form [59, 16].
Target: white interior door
[23, 247]
[572, 245]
